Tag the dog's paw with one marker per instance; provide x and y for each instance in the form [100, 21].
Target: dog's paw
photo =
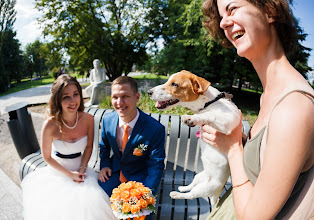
[183, 188]
[186, 119]
[178, 195]
[174, 195]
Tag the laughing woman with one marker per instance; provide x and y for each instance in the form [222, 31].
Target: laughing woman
[66, 188]
[272, 175]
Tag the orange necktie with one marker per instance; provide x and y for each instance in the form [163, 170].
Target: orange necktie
[124, 141]
[122, 177]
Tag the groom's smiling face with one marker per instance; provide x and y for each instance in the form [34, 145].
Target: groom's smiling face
[124, 101]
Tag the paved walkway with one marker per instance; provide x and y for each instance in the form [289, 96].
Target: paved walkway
[40, 94]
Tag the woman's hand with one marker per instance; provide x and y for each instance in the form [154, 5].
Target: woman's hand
[224, 143]
[77, 177]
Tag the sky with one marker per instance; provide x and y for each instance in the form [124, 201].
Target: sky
[28, 29]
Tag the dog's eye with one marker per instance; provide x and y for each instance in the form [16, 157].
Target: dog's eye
[174, 85]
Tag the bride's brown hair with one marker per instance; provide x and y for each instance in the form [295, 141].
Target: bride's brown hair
[54, 104]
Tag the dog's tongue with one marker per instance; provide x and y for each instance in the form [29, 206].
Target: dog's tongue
[159, 104]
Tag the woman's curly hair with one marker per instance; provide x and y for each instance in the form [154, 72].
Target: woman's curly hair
[285, 23]
[54, 104]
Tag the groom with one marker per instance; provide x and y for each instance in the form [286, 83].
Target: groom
[136, 140]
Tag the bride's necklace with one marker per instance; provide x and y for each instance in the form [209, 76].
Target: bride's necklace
[69, 127]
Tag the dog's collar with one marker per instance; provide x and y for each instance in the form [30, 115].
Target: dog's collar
[219, 96]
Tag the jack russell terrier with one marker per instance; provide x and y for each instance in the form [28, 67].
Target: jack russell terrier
[211, 107]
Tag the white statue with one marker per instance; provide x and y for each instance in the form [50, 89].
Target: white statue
[97, 78]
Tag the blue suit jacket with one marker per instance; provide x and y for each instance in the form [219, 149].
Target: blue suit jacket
[147, 168]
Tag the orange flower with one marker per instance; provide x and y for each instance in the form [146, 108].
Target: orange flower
[125, 195]
[144, 190]
[135, 208]
[142, 203]
[122, 187]
[136, 193]
[115, 191]
[114, 197]
[139, 185]
[137, 152]
[129, 185]
[126, 208]
[150, 200]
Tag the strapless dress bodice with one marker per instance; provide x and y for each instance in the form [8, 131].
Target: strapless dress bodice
[65, 147]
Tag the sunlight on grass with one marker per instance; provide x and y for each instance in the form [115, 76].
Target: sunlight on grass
[27, 84]
[147, 105]
[150, 76]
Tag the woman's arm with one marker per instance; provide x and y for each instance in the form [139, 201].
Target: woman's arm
[90, 139]
[47, 134]
[288, 147]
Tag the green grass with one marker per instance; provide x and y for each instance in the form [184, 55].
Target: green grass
[150, 76]
[27, 84]
[249, 111]
[148, 105]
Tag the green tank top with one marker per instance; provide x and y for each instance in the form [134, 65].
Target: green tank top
[252, 163]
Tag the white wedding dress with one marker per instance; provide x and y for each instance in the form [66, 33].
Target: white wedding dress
[49, 194]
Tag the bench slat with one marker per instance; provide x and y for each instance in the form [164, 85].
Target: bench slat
[166, 206]
[179, 207]
[173, 140]
[182, 153]
[192, 209]
[204, 207]
[97, 121]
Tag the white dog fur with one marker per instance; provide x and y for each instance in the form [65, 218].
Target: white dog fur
[188, 90]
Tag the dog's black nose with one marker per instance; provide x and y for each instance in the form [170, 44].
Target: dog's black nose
[150, 92]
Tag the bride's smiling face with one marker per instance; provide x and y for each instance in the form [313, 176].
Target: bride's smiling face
[71, 98]
[245, 26]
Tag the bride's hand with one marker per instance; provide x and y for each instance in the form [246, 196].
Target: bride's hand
[77, 177]
[82, 171]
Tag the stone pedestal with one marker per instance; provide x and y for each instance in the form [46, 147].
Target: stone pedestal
[98, 94]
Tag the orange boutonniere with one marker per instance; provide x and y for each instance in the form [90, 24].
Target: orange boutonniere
[138, 151]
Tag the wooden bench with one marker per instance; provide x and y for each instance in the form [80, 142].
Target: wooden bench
[181, 164]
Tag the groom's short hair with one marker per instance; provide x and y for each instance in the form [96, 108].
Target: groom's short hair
[126, 80]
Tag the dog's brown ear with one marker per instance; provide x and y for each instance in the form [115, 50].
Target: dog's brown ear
[200, 85]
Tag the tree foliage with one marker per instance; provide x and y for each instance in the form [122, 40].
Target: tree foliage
[188, 46]
[40, 58]
[11, 58]
[114, 31]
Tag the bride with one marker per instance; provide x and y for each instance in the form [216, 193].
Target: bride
[66, 188]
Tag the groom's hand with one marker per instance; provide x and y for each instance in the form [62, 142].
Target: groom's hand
[104, 174]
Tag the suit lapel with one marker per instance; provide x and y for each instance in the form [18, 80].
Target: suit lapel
[113, 131]
[136, 133]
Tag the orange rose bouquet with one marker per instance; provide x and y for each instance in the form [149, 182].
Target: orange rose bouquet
[132, 199]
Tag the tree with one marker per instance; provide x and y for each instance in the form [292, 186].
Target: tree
[10, 54]
[188, 46]
[13, 62]
[40, 58]
[116, 32]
